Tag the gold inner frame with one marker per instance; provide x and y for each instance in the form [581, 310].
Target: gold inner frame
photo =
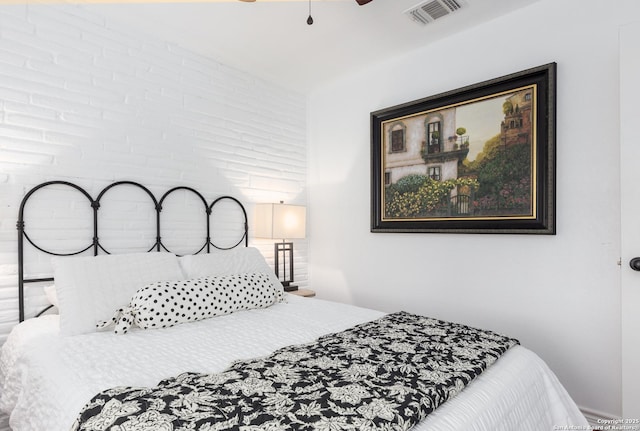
[534, 159]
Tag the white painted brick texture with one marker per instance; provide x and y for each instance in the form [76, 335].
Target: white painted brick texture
[86, 101]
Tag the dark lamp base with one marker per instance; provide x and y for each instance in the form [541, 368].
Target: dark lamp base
[289, 287]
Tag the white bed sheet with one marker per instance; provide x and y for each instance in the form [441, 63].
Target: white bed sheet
[46, 379]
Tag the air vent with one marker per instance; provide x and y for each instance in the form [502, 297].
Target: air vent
[431, 10]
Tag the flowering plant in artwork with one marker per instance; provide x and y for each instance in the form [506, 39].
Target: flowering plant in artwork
[419, 195]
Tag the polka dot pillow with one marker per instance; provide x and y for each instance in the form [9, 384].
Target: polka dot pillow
[168, 303]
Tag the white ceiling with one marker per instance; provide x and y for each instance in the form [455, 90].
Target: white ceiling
[271, 39]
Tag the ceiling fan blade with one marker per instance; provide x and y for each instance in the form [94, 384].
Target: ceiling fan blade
[363, 2]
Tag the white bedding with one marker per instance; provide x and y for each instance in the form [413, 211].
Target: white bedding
[46, 379]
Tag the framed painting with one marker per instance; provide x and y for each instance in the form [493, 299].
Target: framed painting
[479, 159]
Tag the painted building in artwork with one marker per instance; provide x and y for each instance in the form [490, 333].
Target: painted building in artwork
[424, 144]
[517, 125]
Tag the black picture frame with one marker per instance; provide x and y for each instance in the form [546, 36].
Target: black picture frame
[438, 167]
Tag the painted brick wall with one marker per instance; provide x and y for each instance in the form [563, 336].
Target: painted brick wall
[86, 101]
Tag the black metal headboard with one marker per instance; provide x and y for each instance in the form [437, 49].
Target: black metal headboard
[95, 243]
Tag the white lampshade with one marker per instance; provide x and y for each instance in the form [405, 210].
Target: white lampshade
[280, 221]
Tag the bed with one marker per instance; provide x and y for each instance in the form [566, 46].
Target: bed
[56, 366]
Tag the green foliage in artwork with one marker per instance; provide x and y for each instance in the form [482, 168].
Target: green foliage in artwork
[504, 174]
[488, 150]
[507, 108]
[410, 183]
[418, 195]
[510, 164]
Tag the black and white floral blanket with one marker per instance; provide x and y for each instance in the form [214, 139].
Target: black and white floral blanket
[387, 374]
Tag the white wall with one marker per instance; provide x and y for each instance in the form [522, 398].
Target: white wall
[85, 101]
[558, 294]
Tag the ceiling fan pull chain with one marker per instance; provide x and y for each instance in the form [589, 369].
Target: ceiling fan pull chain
[310, 19]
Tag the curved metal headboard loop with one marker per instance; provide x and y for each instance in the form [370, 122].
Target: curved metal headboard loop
[245, 235]
[206, 209]
[97, 207]
[21, 225]
[22, 235]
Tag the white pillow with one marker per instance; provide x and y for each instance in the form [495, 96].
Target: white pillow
[52, 296]
[239, 260]
[167, 303]
[90, 288]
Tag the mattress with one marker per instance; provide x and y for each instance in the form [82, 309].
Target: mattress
[46, 378]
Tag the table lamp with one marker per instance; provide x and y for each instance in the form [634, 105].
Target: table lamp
[286, 222]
